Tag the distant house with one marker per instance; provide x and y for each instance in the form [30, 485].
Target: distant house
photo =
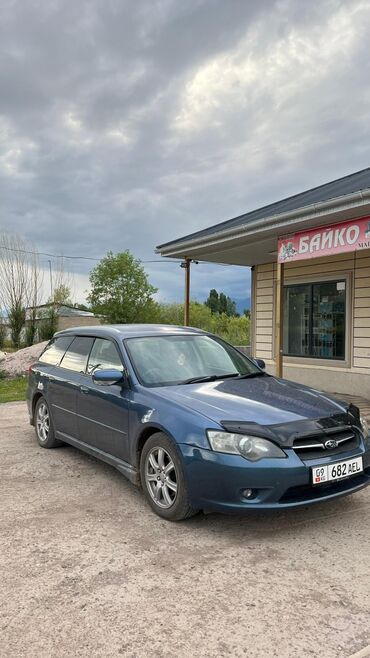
[68, 316]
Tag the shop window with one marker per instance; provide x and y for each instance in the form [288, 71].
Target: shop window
[315, 320]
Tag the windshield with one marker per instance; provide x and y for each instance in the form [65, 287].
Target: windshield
[168, 360]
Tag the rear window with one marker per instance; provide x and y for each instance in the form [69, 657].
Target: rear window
[54, 351]
[75, 357]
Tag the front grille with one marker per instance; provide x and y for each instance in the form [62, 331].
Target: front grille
[311, 492]
[313, 447]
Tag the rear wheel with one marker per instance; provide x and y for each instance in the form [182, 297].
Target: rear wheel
[163, 479]
[44, 426]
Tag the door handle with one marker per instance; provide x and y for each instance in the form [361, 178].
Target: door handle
[84, 389]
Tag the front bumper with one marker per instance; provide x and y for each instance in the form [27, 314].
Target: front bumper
[216, 481]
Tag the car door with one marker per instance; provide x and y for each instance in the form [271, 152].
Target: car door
[103, 409]
[65, 384]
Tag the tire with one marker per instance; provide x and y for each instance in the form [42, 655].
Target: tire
[44, 425]
[163, 480]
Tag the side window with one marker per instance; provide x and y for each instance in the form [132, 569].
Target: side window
[104, 354]
[54, 351]
[75, 357]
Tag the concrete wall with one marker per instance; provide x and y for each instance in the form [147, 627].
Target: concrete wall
[66, 322]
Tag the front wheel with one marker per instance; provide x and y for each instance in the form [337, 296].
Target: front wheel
[44, 426]
[163, 479]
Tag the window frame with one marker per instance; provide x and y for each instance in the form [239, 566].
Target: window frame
[345, 362]
[115, 344]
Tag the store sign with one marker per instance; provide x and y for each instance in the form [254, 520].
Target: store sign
[325, 241]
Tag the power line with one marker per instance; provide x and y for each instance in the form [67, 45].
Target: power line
[162, 260]
[44, 253]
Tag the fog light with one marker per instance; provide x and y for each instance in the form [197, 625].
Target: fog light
[248, 493]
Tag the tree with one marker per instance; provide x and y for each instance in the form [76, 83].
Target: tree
[231, 311]
[19, 281]
[220, 303]
[2, 332]
[120, 289]
[62, 285]
[34, 299]
[213, 301]
[62, 295]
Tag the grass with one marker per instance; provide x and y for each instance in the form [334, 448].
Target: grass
[8, 347]
[13, 390]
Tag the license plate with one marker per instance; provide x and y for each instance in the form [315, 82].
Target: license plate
[337, 471]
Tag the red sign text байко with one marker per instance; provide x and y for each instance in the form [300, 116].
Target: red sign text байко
[325, 241]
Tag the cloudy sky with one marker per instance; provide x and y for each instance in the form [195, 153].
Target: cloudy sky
[125, 124]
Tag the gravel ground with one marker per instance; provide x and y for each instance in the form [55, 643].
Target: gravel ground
[88, 570]
[17, 363]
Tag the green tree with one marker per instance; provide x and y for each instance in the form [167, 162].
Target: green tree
[17, 318]
[62, 295]
[220, 303]
[223, 303]
[231, 308]
[49, 323]
[213, 301]
[120, 289]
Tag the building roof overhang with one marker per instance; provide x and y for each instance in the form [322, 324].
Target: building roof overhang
[255, 241]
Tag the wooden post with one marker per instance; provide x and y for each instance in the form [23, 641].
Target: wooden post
[186, 266]
[279, 319]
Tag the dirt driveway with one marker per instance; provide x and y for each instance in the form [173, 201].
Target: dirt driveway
[88, 570]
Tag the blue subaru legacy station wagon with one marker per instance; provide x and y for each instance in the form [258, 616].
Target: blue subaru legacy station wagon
[194, 422]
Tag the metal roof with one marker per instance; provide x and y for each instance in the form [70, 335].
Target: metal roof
[346, 185]
[64, 310]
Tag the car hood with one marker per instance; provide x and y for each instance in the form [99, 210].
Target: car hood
[264, 405]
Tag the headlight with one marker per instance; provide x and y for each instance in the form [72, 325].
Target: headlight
[364, 427]
[252, 448]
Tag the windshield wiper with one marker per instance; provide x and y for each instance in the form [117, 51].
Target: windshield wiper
[208, 378]
[250, 375]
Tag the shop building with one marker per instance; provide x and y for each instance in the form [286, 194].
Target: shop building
[310, 260]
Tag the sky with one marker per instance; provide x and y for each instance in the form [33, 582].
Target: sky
[125, 124]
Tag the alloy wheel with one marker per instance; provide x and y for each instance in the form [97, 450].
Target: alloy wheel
[43, 422]
[161, 477]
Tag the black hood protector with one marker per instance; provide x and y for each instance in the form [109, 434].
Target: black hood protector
[285, 434]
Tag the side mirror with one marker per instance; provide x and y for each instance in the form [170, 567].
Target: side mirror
[260, 363]
[108, 377]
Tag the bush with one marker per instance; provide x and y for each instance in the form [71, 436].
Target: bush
[235, 330]
[48, 324]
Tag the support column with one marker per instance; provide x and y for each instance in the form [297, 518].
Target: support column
[252, 318]
[279, 319]
[186, 266]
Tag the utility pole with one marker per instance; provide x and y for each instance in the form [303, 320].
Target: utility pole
[51, 280]
[186, 266]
